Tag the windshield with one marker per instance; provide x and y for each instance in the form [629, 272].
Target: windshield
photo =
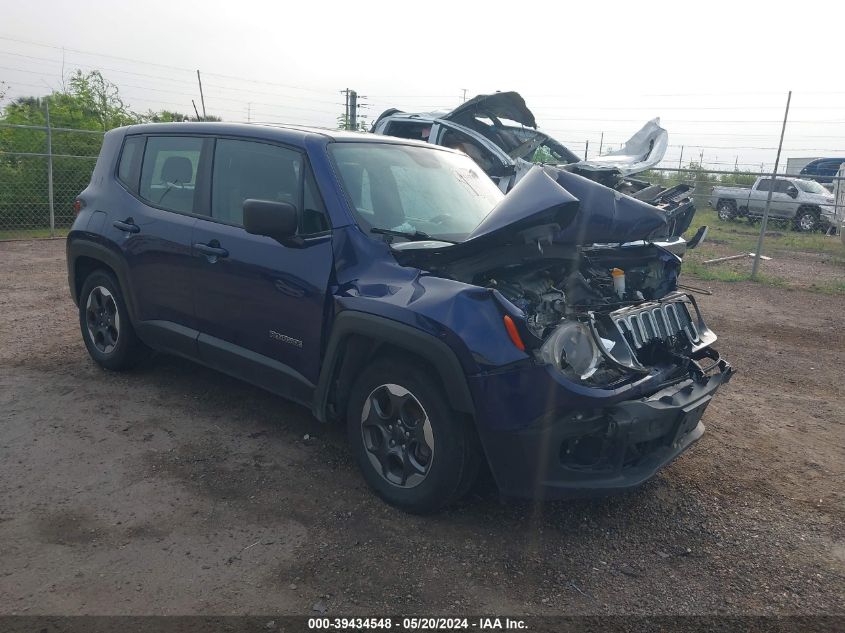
[810, 186]
[414, 190]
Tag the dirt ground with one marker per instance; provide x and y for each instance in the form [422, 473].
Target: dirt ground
[176, 490]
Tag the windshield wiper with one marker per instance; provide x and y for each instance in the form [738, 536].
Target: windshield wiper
[414, 236]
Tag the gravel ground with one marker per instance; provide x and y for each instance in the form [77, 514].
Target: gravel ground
[176, 490]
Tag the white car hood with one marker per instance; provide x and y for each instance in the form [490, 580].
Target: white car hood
[642, 151]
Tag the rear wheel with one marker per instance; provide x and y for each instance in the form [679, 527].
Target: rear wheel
[412, 449]
[104, 321]
[726, 210]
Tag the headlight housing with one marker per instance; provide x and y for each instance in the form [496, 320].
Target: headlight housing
[572, 350]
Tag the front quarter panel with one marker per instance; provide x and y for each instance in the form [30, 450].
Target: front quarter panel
[467, 318]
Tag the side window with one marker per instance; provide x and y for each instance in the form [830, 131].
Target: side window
[469, 146]
[169, 172]
[829, 168]
[764, 185]
[130, 158]
[249, 169]
[782, 186]
[408, 129]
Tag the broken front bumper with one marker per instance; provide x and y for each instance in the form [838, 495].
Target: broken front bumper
[594, 451]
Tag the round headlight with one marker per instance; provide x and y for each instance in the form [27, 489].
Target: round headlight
[572, 350]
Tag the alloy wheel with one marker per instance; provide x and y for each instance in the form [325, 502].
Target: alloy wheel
[725, 213]
[397, 435]
[807, 222]
[102, 319]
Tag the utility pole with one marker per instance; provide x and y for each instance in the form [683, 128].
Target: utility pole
[353, 110]
[681, 158]
[346, 111]
[249, 112]
[464, 100]
[601, 143]
[586, 148]
[765, 221]
[202, 98]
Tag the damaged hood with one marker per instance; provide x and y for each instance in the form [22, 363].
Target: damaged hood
[642, 151]
[500, 105]
[551, 205]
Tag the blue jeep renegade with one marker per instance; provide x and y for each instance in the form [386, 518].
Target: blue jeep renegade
[390, 285]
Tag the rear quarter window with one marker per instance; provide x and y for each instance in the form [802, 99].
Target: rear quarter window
[130, 160]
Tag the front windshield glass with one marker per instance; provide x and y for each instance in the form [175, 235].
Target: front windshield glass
[810, 186]
[415, 190]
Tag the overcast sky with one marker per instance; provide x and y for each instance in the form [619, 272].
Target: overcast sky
[716, 73]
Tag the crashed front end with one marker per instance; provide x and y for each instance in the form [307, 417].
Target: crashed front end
[619, 364]
[616, 383]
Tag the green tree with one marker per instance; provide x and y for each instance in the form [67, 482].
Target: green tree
[343, 123]
[88, 103]
[737, 179]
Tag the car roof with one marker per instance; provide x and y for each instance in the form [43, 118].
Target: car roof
[293, 134]
[819, 161]
[422, 117]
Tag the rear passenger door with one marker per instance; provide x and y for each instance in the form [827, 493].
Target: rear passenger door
[153, 230]
[260, 305]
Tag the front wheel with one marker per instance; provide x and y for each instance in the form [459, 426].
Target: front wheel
[412, 449]
[726, 210]
[807, 220]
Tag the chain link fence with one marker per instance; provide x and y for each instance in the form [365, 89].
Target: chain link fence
[42, 170]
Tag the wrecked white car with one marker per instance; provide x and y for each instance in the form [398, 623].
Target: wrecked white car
[500, 133]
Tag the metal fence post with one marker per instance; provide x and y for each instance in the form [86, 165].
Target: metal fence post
[765, 221]
[50, 170]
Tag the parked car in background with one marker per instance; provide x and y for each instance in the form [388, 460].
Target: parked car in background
[389, 285]
[805, 202]
[822, 170]
[500, 133]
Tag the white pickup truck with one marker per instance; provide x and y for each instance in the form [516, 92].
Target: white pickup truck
[809, 205]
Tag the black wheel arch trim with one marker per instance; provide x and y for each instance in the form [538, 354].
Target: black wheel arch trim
[351, 323]
[82, 247]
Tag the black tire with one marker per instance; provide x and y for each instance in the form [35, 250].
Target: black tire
[105, 325]
[450, 465]
[806, 220]
[726, 210]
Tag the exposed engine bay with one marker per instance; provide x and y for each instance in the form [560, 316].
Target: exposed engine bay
[608, 312]
[596, 281]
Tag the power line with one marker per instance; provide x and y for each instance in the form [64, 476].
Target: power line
[158, 65]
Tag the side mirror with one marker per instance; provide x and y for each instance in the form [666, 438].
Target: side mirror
[278, 220]
[792, 192]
